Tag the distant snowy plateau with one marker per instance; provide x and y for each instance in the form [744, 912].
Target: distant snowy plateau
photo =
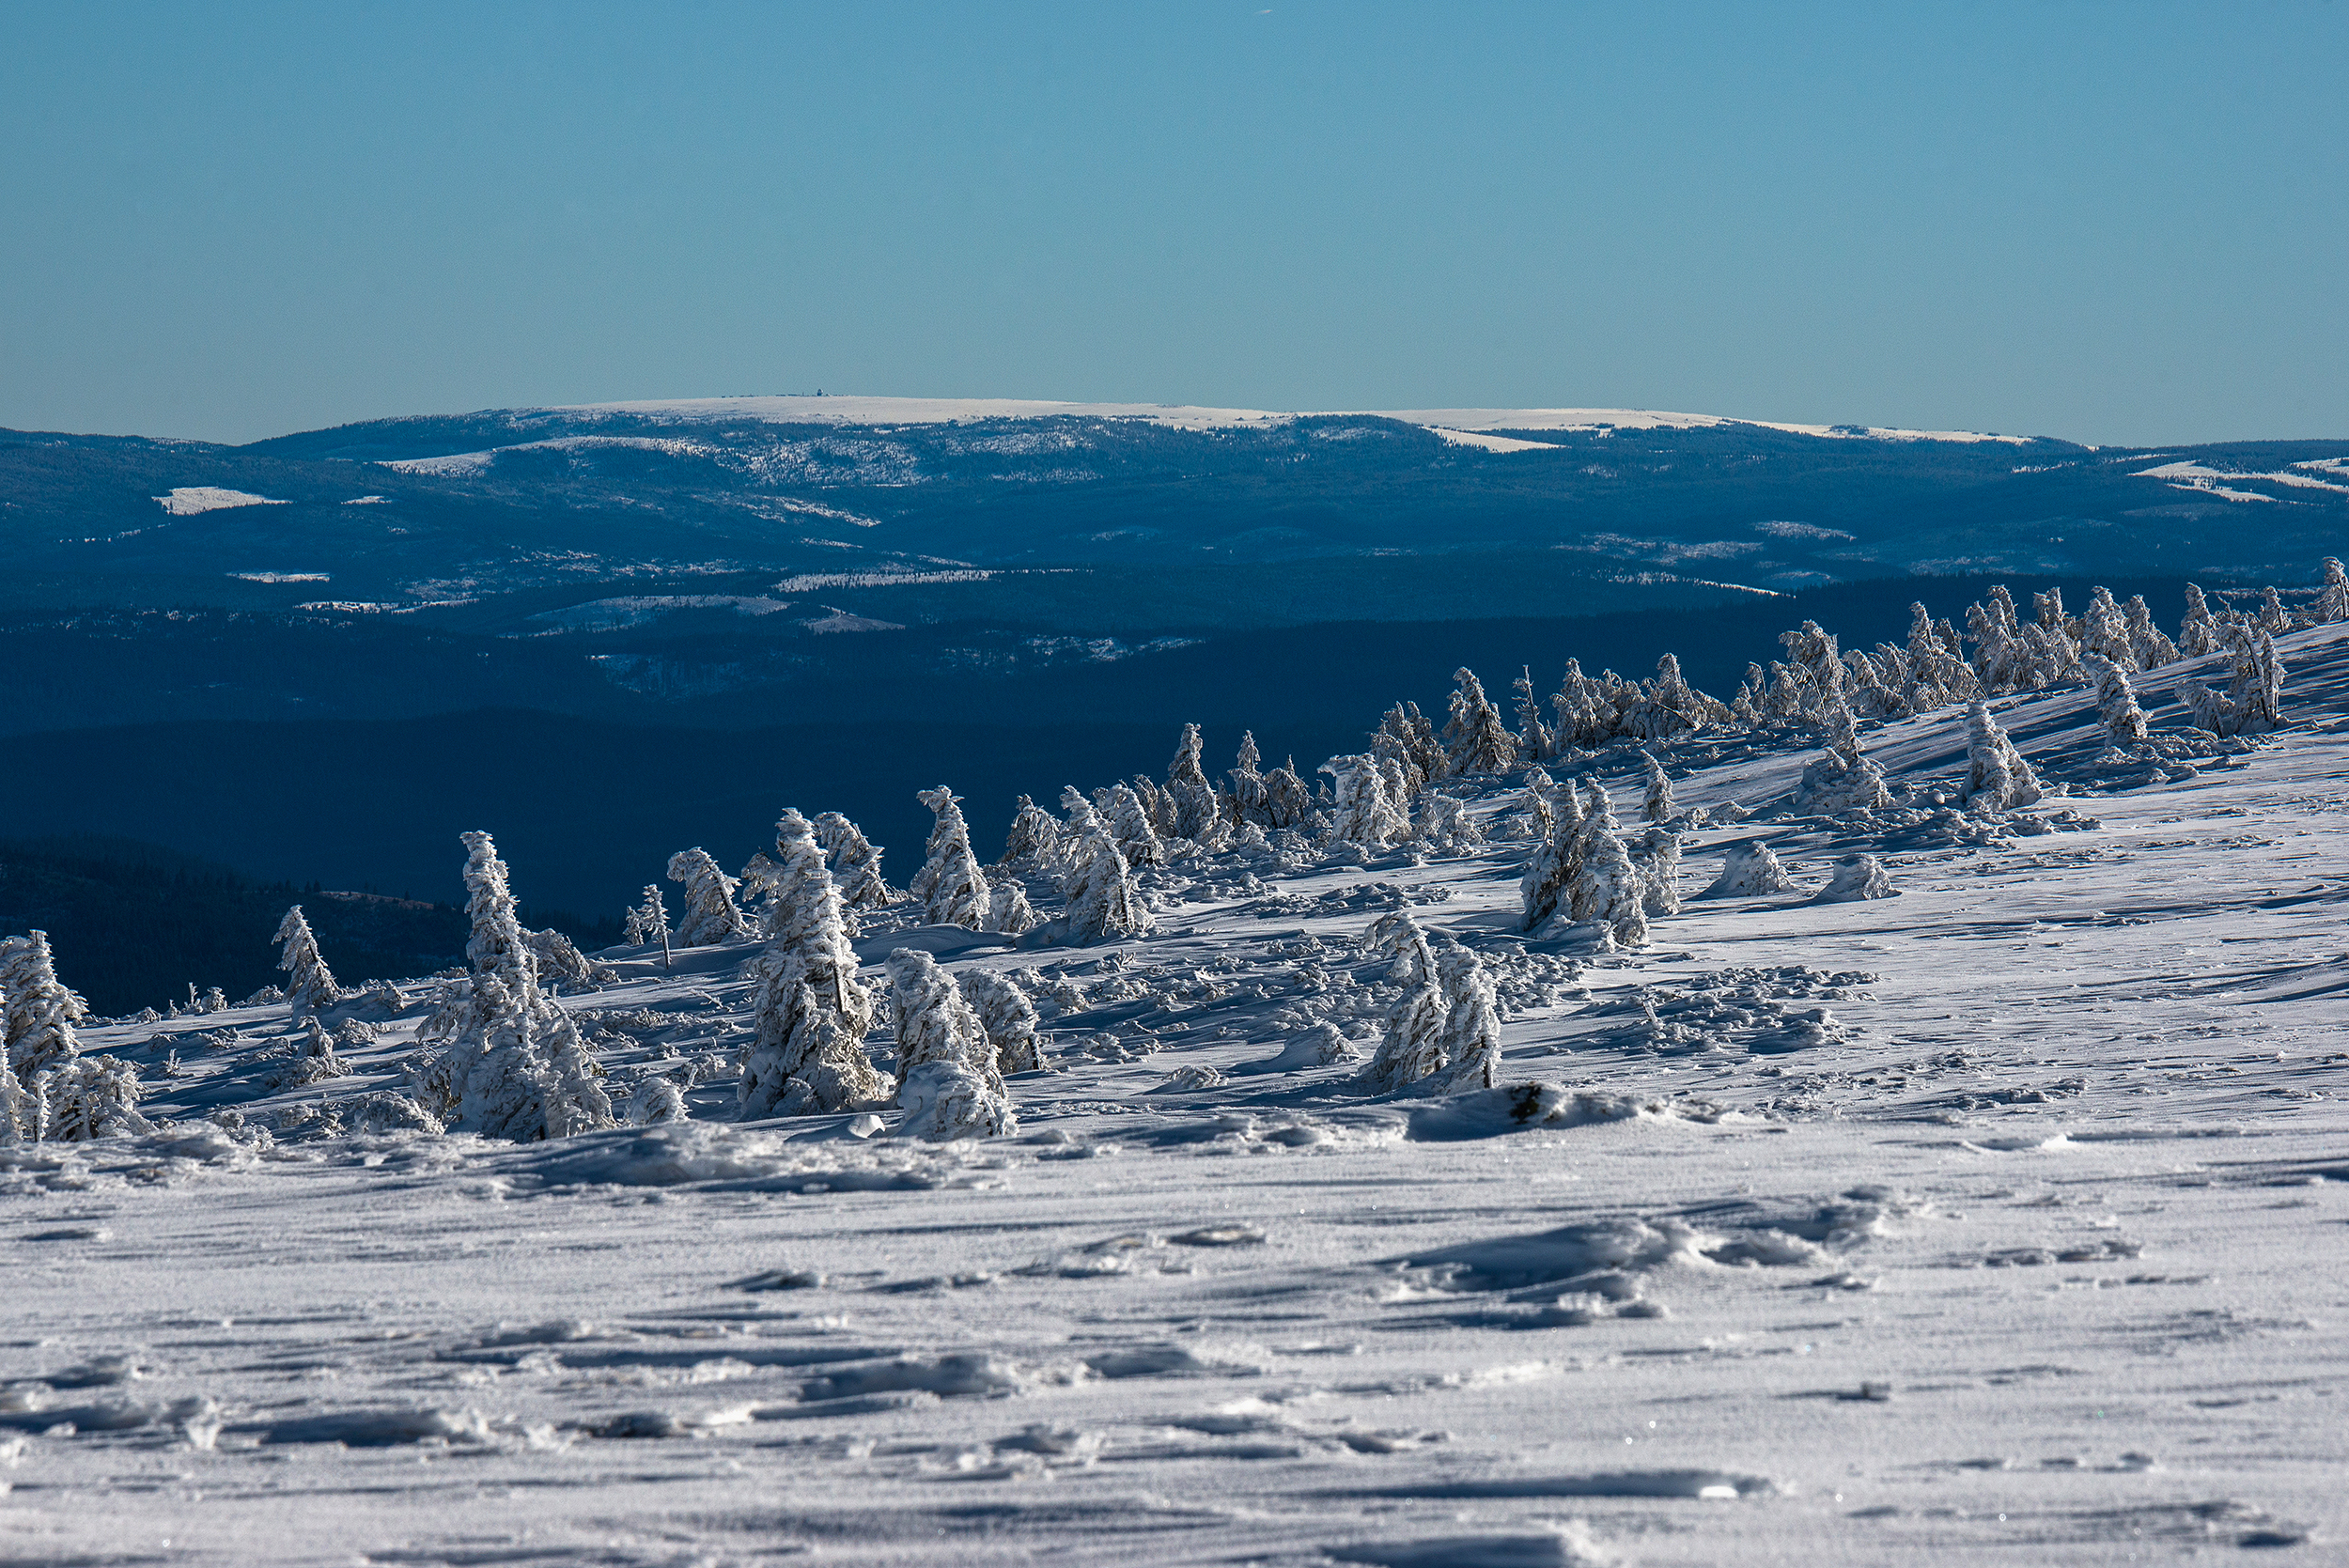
[2005, 1219]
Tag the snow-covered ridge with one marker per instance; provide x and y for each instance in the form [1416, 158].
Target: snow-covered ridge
[189, 499]
[1450, 422]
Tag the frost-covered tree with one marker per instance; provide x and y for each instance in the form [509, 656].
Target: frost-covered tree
[1445, 826]
[1539, 813]
[2253, 701]
[753, 885]
[515, 1067]
[711, 914]
[1469, 1039]
[2146, 640]
[1998, 642]
[809, 1010]
[1824, 680]
[1008, 1019]
[2198, 634]
[23, 1115]
[309, 983]
[2332, 599]
[1584, 718]
[1190, 797]
[1288, 800]
[1103, 902]
[1668, 705]
[944, 1055]
[1243, 797]
[2104, 629]
[1412, 1045]
[854, 861]
[1750, 868]
[559, 959]
[1549, 873]
[311, 1060]
[41, 1010]
[1657, 861]
[90, 1097]
[1659, 806]
[1366, 811]
[952, 888]
[1034, 842]
[1128, 822]
[1535, 739]
[1997, 777]
[1409, 736]
[1008, 911]
[2271, 617]
[1842, 778]
[1609, 891]
[647, 922]
[654, 1101]
[2116, 700]
[1475, 739]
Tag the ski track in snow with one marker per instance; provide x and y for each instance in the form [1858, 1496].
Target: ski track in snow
[2029, 1246]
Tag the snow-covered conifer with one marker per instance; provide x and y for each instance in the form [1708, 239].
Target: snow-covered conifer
[1657, 862]
[654, 1101]
[1475, 739]
[41, 1010]
[1548, 875]
[91, 1096]
[309, 983]
[753, 885]
[947, 1077]
[1191, 799]
[1445, 826]
[809, 1009]
[1008, 1019]
[1288, 800]
[647, 922]
[2116, 700]
[1103, 902]
[2146, 640]
[312, 1059]
[1749, 868]
[1812, 654]
[1535, 740]
[952, 888]
[1366, 811]
[2271, 617]
[2332, 599]
[1410, 736]
[1244, 799]
[1468, 1040]
[1859, 877]
[2198, 634]
[23, 1115]
[1998, 642]
[1659, 806]
[2104, 629]
[558, 958]
[1412, 1047]
[1579, 722]
[1137, 837]
[711, 914]
[1609, 888]
[515, 1067]
[854, 861]
[1539, 813]
[1034, 842]
[1008, 913]
[1997, 777]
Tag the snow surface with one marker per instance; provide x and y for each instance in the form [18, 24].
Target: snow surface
[189, 499]
[2004, 1220]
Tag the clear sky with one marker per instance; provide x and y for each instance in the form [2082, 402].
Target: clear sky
[2111, 223]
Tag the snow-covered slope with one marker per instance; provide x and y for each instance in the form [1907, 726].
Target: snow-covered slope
[2000, 1219]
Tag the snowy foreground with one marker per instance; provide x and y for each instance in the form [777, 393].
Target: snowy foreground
[2000, 1220]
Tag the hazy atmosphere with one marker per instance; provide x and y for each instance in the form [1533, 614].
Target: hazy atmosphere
[2112, 223]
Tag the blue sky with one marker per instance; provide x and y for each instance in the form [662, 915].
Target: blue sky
[2115, 223]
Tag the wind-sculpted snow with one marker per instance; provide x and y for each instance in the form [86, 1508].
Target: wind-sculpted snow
[1999, 1219]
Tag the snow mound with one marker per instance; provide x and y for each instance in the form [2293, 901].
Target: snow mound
[1750, 868]
[1566, 1545]
[1859, 877]
[1523, 1107]
[677, 1153]
[369, 1429]
[968, 1376]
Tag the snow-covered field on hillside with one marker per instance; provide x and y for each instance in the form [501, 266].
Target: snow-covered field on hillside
[2006, 1219]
